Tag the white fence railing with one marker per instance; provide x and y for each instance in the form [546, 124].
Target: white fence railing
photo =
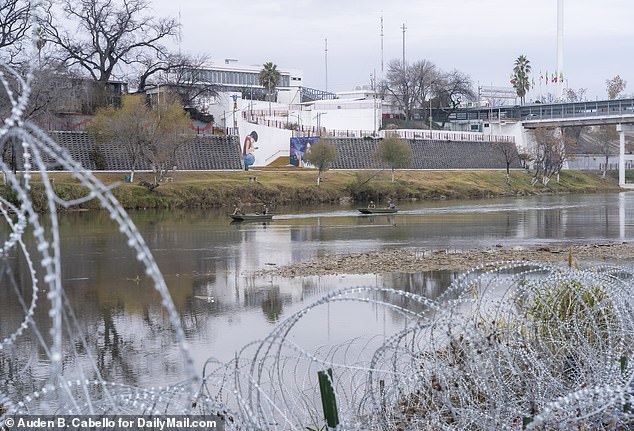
[434, 135]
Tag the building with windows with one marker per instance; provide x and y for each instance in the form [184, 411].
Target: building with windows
[231, 77]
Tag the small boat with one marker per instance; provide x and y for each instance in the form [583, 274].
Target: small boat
[378, 210]
[251, 217]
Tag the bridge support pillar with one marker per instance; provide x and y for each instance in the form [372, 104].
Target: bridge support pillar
[621, 155]
[622, 129]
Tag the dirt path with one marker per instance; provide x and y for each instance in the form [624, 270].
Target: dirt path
[416, 260]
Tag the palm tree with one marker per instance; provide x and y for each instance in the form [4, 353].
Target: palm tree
[519, 77]
[269, 78]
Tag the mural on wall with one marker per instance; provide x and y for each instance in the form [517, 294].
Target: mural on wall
[300, 146]
[249, 148]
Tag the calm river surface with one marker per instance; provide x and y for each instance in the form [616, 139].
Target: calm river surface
[206, 263]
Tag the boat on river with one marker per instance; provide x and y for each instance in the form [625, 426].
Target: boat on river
[251, 217]
[378, 210]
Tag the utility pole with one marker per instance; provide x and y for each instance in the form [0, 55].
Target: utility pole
[382, 46]
[373, 84]
[326, 59]
[403, 28]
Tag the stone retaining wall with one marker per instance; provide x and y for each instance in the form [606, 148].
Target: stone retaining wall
[355, 153]
[212, 152]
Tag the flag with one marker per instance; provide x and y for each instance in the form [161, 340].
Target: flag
[546, 77]
[555, 78]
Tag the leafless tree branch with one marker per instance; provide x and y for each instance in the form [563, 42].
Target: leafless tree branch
[14, 24]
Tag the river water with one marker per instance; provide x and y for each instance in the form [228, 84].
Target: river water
[207, 264]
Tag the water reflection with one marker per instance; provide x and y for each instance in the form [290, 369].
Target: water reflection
[207, 264]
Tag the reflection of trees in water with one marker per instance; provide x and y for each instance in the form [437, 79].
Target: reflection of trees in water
[272, 305]
[269, 299]
[548, 223]
[125, 330]
[317, 285]
[430, 284]
[18, 361]
[114, 352]
[249, 294]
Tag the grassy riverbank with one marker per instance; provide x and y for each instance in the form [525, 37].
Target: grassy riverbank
[277, 187]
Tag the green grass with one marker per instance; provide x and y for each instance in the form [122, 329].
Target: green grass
[629, 175]
[224, 189]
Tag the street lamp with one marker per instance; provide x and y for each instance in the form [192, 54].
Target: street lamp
[318, 116]
[234, 129]
[235, 108]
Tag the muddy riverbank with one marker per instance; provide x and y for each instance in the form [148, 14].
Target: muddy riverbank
[411, 260]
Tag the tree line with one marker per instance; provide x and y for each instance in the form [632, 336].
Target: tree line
[421, 86]
[91, 43]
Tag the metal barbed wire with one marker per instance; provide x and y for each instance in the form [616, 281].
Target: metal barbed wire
[508, 345]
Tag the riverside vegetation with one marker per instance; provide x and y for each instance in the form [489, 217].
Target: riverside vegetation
[284, 187]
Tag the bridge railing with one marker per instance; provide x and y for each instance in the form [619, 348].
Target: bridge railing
[617, 107]
[445, 135]
[535, 112]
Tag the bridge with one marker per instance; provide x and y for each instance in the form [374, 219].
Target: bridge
[555, 114]
[619, 112]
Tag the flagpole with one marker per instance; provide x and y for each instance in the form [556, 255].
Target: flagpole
[560, 49]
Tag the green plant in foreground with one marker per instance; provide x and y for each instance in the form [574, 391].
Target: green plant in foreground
[567, 307]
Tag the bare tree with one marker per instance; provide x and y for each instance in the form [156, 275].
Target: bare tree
[509, 152]
[125, 126]
[615, 86]
[188, 80]
[426, 78]
[605, 140]
[451, 90]
[152, 66]
[168, 130]
[572, 95]
[185, 75]
[144, 132]
[413, 87]
[14, 25]
[47, 93]
[551, 149]
[108, 34]
[402, 87]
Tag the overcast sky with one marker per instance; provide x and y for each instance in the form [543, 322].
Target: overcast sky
[479, 37]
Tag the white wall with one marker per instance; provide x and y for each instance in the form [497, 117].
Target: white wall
[271, 144]
[289, 96]
[341, 114]
[511, 128]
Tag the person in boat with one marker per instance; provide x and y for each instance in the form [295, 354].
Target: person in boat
[390, 205]
[237, 210]
[371, 205]
[265, 210]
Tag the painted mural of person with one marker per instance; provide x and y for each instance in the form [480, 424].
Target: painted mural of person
[301, 148]
[248, 149]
